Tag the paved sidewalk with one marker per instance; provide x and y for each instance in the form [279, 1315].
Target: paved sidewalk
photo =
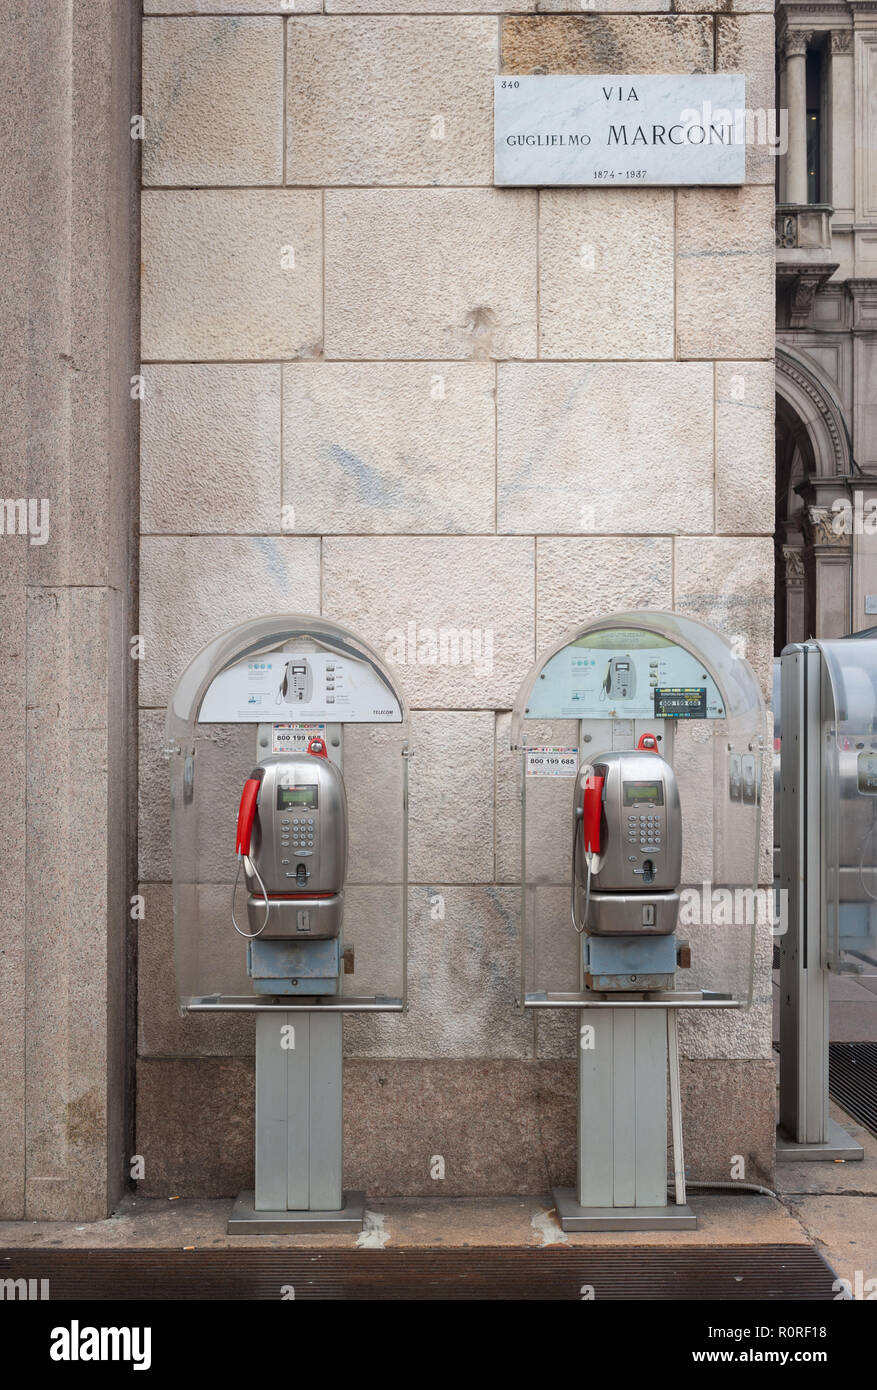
[411, 1222]
[835, 1205]
[830, 1205]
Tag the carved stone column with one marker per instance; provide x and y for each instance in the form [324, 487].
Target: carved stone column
[840, 125]
[795, 50]
[828, 559]
[796, 594]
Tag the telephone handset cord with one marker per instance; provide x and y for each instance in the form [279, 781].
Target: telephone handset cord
[572, 888]
[249, 935]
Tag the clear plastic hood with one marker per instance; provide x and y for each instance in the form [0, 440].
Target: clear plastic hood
[743, 704]
[265, 688]
[603, 687]
[257, 637]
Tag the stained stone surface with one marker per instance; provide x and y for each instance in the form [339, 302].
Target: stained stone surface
[460, 419]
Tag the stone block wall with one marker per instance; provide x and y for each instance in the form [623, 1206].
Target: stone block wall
[379, 388]
[69, 82]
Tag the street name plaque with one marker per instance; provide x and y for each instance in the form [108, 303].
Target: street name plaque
[630, 131]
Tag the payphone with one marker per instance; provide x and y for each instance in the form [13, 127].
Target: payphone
[288, 745]
[631, 730]
[292, 845]
[627, 829]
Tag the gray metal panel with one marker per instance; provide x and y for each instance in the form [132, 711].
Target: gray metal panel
[254, 1004]
[675, 1106]
[573, 1217]
[623, 1110]
[247, 1220]
[792, 779]
[298, 1112]
[595, 1156]
[651, 1108]
[624, 1117]
[839, 1146]
[298, 1136]
[803, 983]
[271, 1140]
[819, 703]
[326, 1140]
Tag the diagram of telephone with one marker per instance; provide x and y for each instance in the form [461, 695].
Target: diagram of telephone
[627, 865]
[297, 684]
[619, 683]
[292, 846]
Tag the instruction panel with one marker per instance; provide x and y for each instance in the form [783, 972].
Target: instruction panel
[304, 687]
[625, 675]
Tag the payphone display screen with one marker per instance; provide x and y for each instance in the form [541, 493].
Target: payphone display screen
[643, 794]
[288, 797]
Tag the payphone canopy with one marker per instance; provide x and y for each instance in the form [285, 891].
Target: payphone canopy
[232, 706]
[849, 810]
[695, 690]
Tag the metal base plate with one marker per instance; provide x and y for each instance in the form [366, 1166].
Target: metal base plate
[246, 1221]
[572, 1217]
[838, 1145]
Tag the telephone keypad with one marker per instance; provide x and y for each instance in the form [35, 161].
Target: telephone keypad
[649, 832]
[299, 834]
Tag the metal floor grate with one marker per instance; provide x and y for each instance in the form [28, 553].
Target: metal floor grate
[852, 1080]
[788, 1272]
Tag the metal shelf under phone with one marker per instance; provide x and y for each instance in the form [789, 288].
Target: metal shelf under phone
[694, 999]
[353, 1004]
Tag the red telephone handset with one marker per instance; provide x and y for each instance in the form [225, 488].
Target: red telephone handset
[246, 814]
[591, 811]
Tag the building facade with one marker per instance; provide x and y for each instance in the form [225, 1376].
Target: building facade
[370, 384]
[826, 321]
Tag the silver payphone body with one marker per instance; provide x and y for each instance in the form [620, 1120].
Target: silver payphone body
[292, 843]
[627, 867]
[297, 864]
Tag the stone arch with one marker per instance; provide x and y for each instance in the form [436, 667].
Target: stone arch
[813, 462]
[801, 386]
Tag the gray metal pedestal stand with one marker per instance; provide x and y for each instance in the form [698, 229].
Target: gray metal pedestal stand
[298, 1130]
[806, 1129]
[622, 1125]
